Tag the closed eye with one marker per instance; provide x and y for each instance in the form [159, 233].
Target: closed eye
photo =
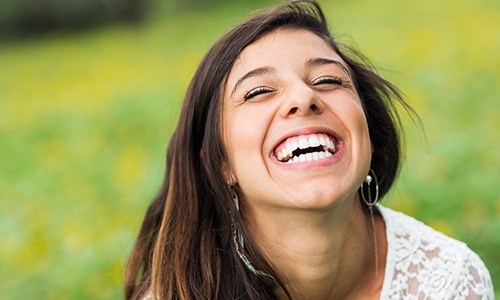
[329, 80]
[258, 91]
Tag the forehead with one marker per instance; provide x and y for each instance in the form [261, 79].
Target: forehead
[283, 47]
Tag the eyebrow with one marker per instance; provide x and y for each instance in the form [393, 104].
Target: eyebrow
[313, 62]
[320, 61]
[256, 72]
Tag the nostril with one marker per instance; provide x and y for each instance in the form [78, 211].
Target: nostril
[314, 107]
[293, 110]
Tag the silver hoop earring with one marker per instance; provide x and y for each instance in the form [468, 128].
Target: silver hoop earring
[239, 242]
[370, 202]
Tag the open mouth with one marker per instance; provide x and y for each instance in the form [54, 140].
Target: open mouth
[304, 148]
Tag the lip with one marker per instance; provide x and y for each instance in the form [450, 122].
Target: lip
[306, 131]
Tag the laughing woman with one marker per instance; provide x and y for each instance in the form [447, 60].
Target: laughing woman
[285, 145]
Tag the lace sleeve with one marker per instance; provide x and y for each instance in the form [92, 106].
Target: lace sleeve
[425, 264]
[474, 280]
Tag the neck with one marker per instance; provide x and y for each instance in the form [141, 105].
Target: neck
[322, 254]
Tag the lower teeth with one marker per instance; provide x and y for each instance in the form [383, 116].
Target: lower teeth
[309, 157]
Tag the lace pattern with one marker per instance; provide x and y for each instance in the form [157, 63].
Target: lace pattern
[425, 264]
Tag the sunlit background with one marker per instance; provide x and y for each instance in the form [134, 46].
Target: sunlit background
[90, 94]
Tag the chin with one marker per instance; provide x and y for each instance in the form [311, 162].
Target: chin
[318, 200]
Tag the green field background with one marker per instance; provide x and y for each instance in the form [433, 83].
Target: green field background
[85, 119]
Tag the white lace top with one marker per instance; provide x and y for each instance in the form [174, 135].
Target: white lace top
[425, 264]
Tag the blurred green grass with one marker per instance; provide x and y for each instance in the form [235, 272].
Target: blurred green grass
[85, 119]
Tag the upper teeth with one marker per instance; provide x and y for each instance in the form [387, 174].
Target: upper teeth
[304, 142]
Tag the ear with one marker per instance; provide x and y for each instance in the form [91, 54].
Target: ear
[226, 171]
[228, 175]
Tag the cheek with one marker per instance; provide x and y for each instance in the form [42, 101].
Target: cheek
[365, 145]
[351, 112]
[349, 109]
[361, 125]
[244, 134]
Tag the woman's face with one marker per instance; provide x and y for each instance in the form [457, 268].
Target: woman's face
[293, 124]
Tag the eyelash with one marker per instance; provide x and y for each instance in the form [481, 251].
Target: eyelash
[258, 91]
[330, 80]
[321, 80]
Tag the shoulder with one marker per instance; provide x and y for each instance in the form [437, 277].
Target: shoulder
[409, 231]
[424, 262]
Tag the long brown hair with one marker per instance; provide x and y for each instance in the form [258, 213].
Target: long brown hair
[184, 249]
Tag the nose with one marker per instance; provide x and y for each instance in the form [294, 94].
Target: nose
[301, 100]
